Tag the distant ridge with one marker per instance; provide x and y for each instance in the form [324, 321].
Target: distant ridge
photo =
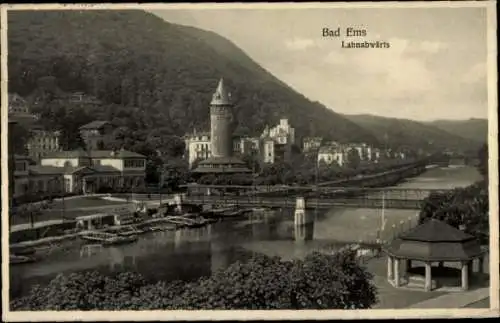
[404, 132]
[474, 128]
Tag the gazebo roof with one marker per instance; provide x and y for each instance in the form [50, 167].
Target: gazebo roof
[436, 231]
[435, 241]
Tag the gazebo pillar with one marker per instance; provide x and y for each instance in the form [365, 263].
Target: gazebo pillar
[465, 275]
[428, 277]
[396, 272]
[389, 268]
[480, 264]
[470, 268]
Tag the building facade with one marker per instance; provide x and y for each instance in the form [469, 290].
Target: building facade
[311, 144]
[17, 104]
[42, 142]
[198, 146]
[333, 154]
[283, 132]
[79, 172]
[277, 142]
[95, 133]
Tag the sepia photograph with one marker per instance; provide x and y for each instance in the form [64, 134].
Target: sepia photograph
[249, 157]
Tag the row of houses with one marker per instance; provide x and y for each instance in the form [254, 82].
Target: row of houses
[273, 145]
[332, 152]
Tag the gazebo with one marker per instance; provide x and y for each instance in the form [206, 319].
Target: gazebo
[429, 243]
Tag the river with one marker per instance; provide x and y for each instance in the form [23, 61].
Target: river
[190, 253]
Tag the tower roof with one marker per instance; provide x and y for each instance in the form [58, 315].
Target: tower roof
[221, 95]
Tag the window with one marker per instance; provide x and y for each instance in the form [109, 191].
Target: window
[133, 163]
[21, 166]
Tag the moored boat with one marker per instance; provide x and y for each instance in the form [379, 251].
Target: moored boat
[128, 231]
[117, 240]
[106, 238]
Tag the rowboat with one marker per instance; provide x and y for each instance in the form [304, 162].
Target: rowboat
[107, 239]
[118, 240]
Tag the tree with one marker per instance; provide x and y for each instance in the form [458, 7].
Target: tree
[467, 206]
[18, 137]
[483, 160]
[353, 159]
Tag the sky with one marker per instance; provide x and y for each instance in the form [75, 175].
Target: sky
[435, 67]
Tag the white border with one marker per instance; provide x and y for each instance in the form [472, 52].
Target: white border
[268, 315]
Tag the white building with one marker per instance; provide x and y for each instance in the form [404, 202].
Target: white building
[85, 172]
[276, 142]
[198, 146]
[283, 133]
[42, 142]
[310, 144]
[333, 154]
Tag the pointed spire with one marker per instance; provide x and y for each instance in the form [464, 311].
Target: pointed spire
[221, 95]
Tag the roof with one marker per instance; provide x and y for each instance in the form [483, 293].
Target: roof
[436, 231]
[105, 168]
[80, 153]
[94, 125]
[47, 170]
[330, 149]
[202, 169]
[122, 153]
[14, 97]
[435, 241]
[222, 160]
[21, 157]
[221, 95]
[224, 165]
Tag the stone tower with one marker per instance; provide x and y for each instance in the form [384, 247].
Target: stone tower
[221, 122]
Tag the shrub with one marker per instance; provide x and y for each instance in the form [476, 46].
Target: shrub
[318, 282]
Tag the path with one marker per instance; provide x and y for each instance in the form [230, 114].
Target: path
[455, 300]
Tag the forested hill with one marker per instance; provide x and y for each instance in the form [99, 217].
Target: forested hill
[474, 129]
[402, 132]
[151, 74]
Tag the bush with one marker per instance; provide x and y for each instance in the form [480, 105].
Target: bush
[318, 282]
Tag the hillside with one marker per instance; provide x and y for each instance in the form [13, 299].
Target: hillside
[402, 132]
[151, 74]
[473, 129]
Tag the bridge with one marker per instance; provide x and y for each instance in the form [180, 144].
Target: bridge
[382, 179]
[390, 198]
[362, 191]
